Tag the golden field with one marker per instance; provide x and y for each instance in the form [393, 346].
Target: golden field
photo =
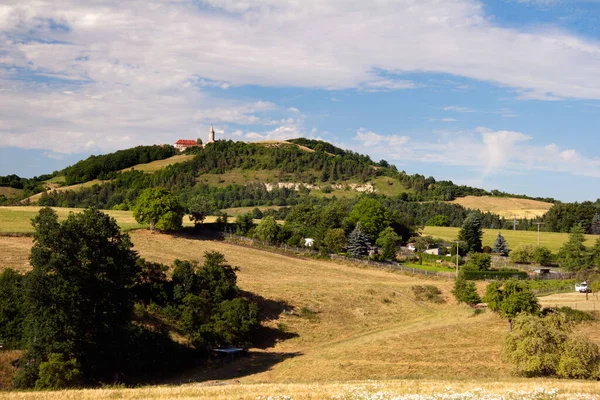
[506, 207]
[365, 325]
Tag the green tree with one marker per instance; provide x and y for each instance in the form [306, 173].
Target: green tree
[371, 215]
[500, 246]
[158, 208]
[335, 240]
[243, 224]
[544, 346]
[438, 220]
[542, 255]
[358, 243]
[471, 233]
[573, 255]
[522, 254]
[267, 229]
[56, 373]
[465, 291]
[256, 213]
[511, 300]
[11, 309]
[77, 297]
[388, 240]
[199, 208]
[478, 262]
[595, 253]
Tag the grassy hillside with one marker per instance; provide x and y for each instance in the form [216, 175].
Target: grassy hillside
[506, 207]
[344, 324]
[8, 191]
[160, 164]
[551, 240]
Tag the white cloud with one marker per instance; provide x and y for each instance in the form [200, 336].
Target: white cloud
[458, 109]
[129, 72]
[488, 152]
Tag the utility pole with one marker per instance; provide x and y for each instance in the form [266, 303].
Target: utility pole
[457, 242]
[514, 222]
[538, 224]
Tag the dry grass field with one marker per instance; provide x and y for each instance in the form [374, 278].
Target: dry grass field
[160, 164]
[332, 327]
[505, 206]
[18, 219]
[381, 390]
[8, 191]
[574, 300]
[551, 240]
[342, 324]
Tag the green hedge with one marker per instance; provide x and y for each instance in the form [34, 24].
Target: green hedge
[499, 275]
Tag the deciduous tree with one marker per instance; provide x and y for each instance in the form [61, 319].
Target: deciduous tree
[158, 208]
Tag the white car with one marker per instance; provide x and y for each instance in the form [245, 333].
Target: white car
[582, 287]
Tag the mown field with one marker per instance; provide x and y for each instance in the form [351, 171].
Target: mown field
[382, 390]
[18, 219]
[551, 240]
[505, 206]
[338, 326]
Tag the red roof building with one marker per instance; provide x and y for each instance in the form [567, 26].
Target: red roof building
[183, 144]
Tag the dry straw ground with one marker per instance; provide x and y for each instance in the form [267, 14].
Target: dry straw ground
[505, 206]
[342, 323]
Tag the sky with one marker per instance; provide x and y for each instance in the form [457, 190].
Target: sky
[501, 94]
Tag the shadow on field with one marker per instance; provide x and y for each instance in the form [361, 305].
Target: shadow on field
[253, 362]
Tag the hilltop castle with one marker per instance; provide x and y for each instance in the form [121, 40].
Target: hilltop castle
[183, 144]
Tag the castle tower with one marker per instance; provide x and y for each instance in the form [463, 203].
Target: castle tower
[211, 135]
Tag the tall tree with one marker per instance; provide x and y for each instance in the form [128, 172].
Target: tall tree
[471, 233]
[500, 246]
[372, 216]
[158, 208]
[573, 255]
[267, 230]
[78, 299]
[335, 240]
[358, 243]
[388, 240]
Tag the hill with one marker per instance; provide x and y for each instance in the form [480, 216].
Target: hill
[506, 207]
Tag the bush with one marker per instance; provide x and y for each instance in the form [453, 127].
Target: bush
[465, 291]
[522, 255]
[575, 316]
[544, 346]
[494, 274]
[478, 262]
[56, 373]
[428, 293]
[542, 255]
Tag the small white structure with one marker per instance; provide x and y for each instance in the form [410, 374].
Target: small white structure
[435, 252]
[308, 242]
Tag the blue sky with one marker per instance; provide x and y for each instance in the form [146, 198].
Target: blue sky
[500, 94]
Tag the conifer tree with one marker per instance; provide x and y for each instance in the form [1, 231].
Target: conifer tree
[471, 233]
[358, 243]
[500, 246]
[573, 255]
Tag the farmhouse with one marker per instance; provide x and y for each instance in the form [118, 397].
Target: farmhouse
[183, 144]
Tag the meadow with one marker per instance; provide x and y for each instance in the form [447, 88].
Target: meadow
[551, 240]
